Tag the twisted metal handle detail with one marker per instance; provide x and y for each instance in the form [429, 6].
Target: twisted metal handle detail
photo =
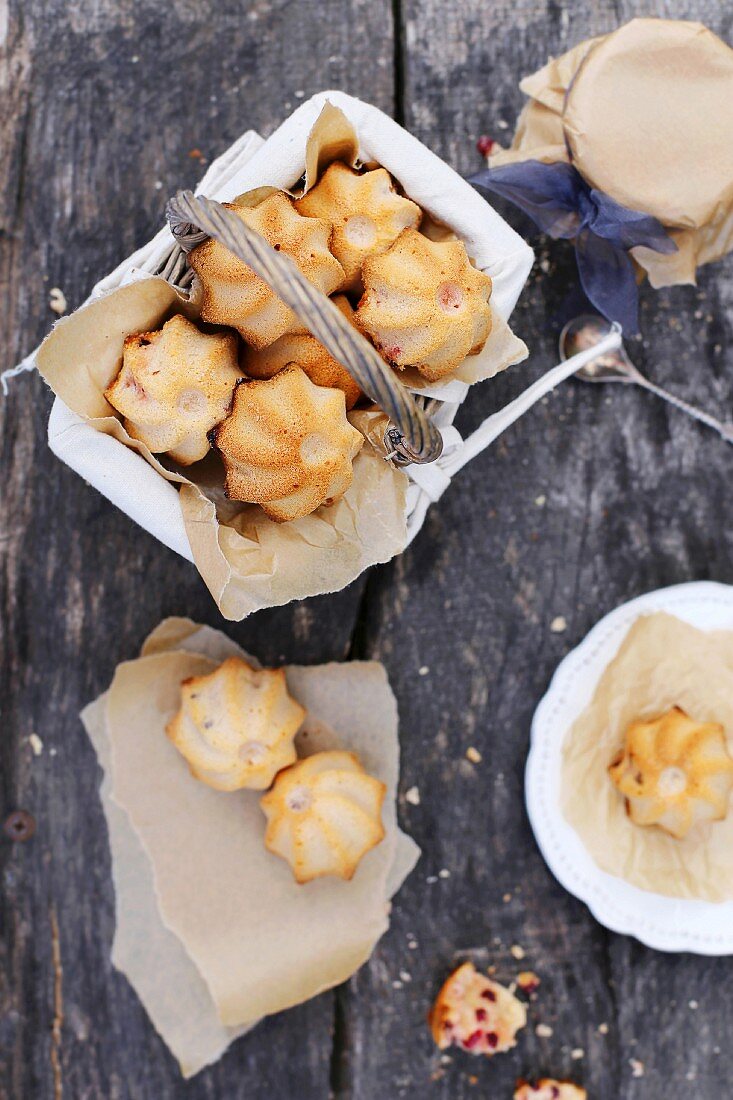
[411, 436]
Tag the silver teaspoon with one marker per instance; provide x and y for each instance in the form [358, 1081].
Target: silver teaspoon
[615, 366]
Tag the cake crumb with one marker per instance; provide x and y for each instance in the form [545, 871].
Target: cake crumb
[528, 982]
[473, 755]
[35, 743]
[558, 624]
[693, 1005]
[603, 1029]
[577, 1053]
[444, 873]
[637, 1067]
[396, 984]
[544, 1031]
[423, 670]
[516, 951]
[57, 300]
[405, 977]
[541, 500]
[413, 796]
[506, 898]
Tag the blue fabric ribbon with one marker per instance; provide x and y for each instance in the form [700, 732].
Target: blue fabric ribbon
[562, 204]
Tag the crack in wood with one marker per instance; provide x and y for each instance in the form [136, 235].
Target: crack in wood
[58, 1006]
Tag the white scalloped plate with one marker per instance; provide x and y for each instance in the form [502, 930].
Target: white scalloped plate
[667, 924]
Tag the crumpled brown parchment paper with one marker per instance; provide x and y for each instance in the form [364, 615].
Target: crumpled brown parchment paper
[212, 930]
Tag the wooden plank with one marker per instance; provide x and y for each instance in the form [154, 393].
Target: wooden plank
[596, 496]
[103, 109]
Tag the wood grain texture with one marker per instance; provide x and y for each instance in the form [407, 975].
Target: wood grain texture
[594, 497]
[107, 107]
[103, 101]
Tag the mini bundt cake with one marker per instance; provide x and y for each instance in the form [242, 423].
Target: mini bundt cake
[231, 292]
[547, 1088]
[174, 386]
[476, 1014]
[235, 726]
[425, 305]
[323, 815]
[674, 772]
[366, 214]
[303, 350]
[287, 445]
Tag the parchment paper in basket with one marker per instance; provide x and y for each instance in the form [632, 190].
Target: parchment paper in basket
[328, 693]
[237, 570]
[662, 662]
[247, 561]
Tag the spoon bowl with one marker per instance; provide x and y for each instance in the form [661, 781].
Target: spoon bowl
[584, 332]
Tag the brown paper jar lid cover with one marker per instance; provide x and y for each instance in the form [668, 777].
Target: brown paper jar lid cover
[649, 120]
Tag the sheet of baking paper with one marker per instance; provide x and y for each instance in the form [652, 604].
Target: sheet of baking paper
[261, 942]
[183, 634]
[662, 662]
[569, 104]
[247, 561]
[250, 562]
[173, 993]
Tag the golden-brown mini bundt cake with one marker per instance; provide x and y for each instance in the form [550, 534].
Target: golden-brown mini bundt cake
[323, 815]
[234, 295]
[674, 772]
[365, 211]
[235, 726]
[547, 1088]
[303, 350]
[174, 386]
[425, 305]
[287, 445]
[476, 1014]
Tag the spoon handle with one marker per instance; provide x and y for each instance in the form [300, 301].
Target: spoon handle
[725, 430]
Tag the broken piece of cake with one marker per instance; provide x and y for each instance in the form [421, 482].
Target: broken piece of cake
[174, 386]
[547, 1088]
[235, 726]
[674, 772]
[476, 1014]
[323, 815]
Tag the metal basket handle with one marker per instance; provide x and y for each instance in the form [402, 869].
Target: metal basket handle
[411, 435]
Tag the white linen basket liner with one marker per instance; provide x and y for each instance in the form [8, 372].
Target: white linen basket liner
[127, 480]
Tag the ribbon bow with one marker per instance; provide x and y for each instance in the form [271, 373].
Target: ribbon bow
[562, 204]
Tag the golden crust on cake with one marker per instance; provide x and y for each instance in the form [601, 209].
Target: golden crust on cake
[674, 772]
[365, 212]
[548, 1088]
[323, 815]
[476, 1014]
[231, 292]
[287, 445]
[425, 305]
[235, 726]
[303, 350]
[174, 386]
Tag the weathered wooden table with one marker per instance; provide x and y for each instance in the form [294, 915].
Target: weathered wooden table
[108, 106]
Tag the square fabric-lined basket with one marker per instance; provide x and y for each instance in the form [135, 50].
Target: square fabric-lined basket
[251, 567]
